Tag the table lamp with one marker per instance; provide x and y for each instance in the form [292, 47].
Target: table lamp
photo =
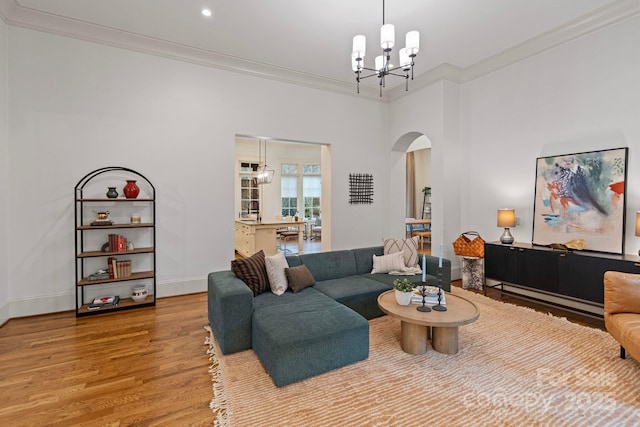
[506, 219]
[638, 226]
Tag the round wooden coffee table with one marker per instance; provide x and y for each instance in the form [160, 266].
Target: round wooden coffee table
[444, 324]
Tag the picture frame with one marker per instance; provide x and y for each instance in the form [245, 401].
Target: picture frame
[581, 196]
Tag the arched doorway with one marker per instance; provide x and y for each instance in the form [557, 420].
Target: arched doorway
[416, 156]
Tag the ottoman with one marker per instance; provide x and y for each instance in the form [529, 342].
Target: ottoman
[297, 336]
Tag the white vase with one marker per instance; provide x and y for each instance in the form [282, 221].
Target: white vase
[403, 298]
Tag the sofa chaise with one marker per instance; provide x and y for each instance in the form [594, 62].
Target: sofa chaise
[320, 328]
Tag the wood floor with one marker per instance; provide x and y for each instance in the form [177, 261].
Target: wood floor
[143, 367]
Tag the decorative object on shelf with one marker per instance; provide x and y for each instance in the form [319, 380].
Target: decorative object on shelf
[264, 174]
[464, 246]
[382, 63]
[139, 293]
[582, 196]
[403, 290]
[506, 219]
[102, 215]
[112, 193]
[360, 188]
[638, 227]
[102, 218]
[130, 245]
[135, 218]
[131, 190]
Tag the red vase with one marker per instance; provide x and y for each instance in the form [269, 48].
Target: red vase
[131, 190]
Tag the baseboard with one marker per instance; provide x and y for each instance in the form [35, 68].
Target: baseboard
[41, 305]
[64, 302]
[5, 313]
[172, 288]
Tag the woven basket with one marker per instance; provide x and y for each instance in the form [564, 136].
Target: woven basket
[464, 246]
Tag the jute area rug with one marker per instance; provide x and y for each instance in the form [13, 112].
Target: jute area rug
[515, 367]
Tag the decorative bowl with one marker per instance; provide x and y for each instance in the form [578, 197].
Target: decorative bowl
[102, 215]
[139, 293]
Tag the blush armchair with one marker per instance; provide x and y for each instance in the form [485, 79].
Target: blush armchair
[622, 310]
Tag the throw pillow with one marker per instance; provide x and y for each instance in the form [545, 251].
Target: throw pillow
[276, 265]
[252, 271]
[387, 263]
[299, 277]
[408, 247]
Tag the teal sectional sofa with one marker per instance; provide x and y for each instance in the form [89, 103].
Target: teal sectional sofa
[324, 327]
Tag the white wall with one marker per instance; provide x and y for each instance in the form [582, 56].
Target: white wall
[434, 112]
[4, 178]
[76, 106]
[487, 133]
[560, 100]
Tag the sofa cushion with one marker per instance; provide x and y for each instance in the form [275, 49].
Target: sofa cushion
[409, 248]
[330, 265]
[359, 293]
[389, 278]
[299, 278]
[364, 258]
[252, 271]
[276, 264]
[297, 336]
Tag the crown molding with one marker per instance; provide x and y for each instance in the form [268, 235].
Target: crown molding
[607, 15]
[15, 15]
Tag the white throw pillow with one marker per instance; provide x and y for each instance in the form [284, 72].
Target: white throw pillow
[275, 272]
[387, 263]
[409, 247]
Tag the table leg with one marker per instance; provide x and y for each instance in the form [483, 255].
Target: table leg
[413, 338]
[445, 339]
[300, 236]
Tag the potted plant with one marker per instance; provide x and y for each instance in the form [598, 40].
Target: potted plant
[403, 290]
[427, 193]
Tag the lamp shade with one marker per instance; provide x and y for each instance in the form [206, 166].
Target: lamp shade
[412, 42]
[506, 217]
[638, 223]
[359, 46]
[379, 62]
[387, 36]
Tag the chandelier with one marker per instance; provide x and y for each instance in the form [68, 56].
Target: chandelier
[383, 65]
[264, 174]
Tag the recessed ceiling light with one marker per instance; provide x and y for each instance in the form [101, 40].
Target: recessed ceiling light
[206, 12]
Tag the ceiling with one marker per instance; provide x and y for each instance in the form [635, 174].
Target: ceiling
[310, 41]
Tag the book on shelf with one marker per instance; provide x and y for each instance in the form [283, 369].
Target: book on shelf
[117, 243]
[104, 302]
[107, 300]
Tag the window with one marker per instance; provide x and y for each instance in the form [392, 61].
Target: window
[289, 189]
[311, 190]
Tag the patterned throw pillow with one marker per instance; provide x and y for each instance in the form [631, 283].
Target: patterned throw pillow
[253, 272]
[408, 247]
[299, 277]
[387, 263]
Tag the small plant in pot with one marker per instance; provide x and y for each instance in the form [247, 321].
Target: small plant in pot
[403, 290]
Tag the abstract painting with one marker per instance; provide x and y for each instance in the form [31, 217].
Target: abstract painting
[581, 196]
